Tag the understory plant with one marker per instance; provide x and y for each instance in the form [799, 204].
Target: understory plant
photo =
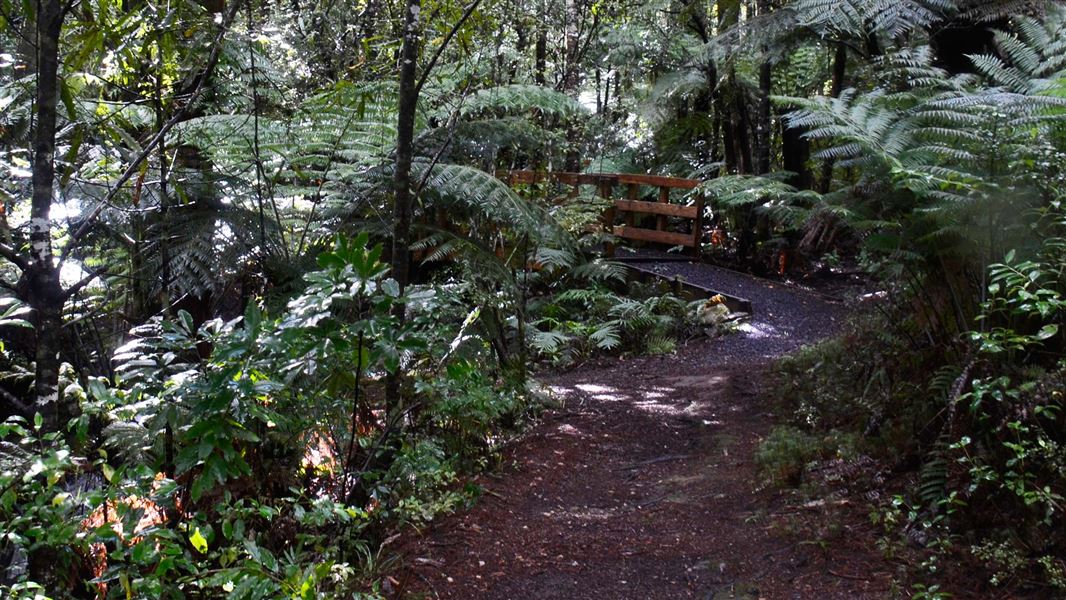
[979, 436]
[256, 457]
[574, 324]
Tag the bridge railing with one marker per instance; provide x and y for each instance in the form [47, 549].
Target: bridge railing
[626, 216]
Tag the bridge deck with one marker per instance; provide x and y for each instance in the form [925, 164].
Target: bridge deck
[779, 310]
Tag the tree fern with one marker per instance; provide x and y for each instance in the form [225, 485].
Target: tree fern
[995, 10]
[517, 99]
[732, 191]
[1031, 62]
[548, 342]
[857, 18]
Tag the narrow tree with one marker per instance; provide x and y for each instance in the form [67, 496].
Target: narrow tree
[40, 283]
[410, 88]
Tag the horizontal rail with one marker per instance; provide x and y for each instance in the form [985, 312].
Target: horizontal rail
[652, 235]
[600, 179]
[659, 181]
[657, 208]
[632, 207]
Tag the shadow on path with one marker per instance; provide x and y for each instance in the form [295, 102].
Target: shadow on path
[644, 486]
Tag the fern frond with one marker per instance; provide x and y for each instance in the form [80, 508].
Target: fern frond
[606, 337]
[519, 99]
[548, 342]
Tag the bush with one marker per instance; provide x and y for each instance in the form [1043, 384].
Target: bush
[272, 467]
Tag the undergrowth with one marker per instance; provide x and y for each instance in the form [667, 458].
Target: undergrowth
[965, 436]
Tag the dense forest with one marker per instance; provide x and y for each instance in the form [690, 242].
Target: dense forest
[271, 296]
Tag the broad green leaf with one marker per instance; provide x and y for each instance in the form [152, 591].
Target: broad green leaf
[198, 541]
[1047, 332]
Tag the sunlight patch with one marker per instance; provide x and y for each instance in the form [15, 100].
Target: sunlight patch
[759, 330]
[561, 391]
[600, 392]
[594, 389]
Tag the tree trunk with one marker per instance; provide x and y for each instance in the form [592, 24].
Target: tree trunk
[405, 133]
[729, 138]
[795, 152]
[741, 127]
[725, 102]
[520, 49]
[40, 282]
[570, 82]
[763, 138]
[571, 74]
[367, 20]
[840, 65]
[763, 124]
[540, 50]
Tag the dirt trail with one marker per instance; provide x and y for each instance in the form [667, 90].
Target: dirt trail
[644, 485]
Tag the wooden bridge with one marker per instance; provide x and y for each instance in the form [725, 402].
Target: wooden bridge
[659, 222]
[627, 217]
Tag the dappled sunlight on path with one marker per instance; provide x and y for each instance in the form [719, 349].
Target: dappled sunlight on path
[643, 485]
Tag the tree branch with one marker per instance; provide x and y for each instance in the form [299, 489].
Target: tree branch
[9, 253]
[77, 287]
[17, 403]
[132, 169]
[444, 44]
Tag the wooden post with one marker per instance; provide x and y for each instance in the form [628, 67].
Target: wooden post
[664, 198]
[632, 194]
[609, 215]
[697, 227]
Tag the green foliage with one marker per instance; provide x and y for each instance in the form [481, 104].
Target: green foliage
[234, 472]
[784, 454]
[986, 427]
[856, 18]
[1031, 61]
[1025, 297]
[521, 99]
[580, 321]
[39, 517]
[941, 186]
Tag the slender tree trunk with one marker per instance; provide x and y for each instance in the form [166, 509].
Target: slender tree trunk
[741, 127]
[728, 17]
[540, 49]
[571, 74]
[164, 191]
[571, 81]
[41, 280]
[763, 123]
[840, 65]
[520, 49]
[763, 129]
[599, 92]
[706, 103]
[164, 245]
[366, 28]
[402, 207]
[606, 92]
[729, 138]
[795, 153]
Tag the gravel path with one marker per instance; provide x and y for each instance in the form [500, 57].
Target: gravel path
[784, 316]
[643, 484]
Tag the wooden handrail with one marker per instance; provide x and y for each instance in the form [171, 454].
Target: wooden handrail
[598, 179]
[657, 208]
[632, 206]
